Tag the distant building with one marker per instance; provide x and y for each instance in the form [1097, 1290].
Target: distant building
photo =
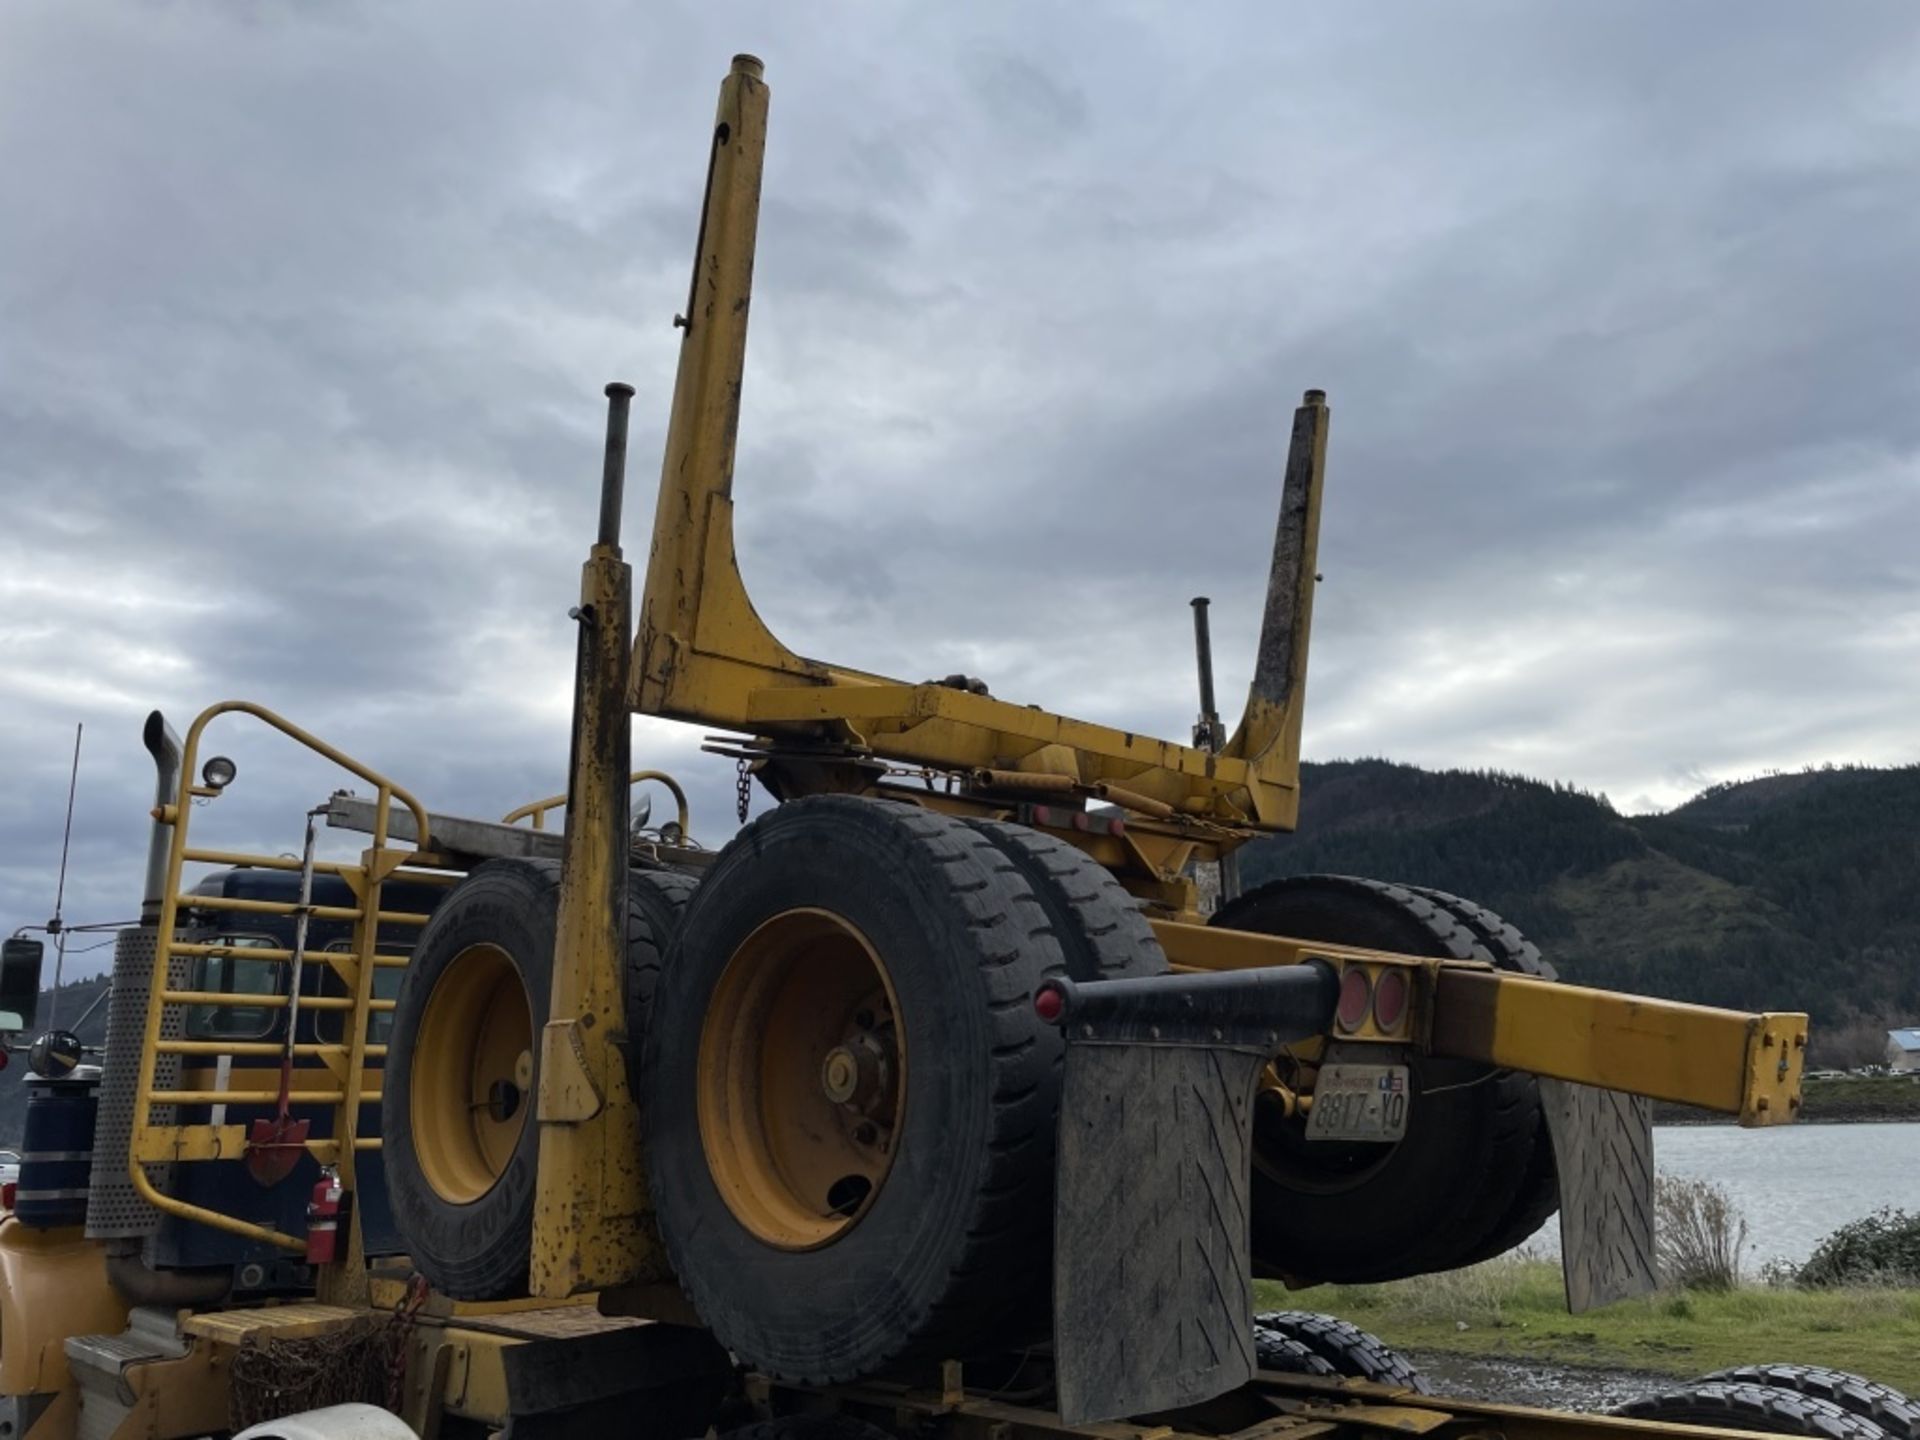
[1903, 1049]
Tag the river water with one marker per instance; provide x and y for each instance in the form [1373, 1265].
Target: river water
[1796, 1184]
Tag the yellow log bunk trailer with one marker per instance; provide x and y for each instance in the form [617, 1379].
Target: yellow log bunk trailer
[930, 1105]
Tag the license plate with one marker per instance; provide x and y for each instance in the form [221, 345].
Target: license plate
[1359, 1102]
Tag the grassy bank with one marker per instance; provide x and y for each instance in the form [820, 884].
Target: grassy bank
[1878, 1097]
[1515, 1307]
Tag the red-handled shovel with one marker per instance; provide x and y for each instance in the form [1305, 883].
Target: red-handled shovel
[275, 1146]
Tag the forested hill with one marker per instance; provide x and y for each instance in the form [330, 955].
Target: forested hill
[1787, 892]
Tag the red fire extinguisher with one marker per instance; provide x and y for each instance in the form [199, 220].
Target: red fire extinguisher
[327, 1215]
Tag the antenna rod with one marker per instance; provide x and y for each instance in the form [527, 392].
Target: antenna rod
[54, 927]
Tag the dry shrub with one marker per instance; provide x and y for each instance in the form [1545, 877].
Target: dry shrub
[1879, 1249]
[1698, 1234]
[1861, 1041]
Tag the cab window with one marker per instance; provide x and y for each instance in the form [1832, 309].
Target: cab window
[331, 1025]
[236, 975]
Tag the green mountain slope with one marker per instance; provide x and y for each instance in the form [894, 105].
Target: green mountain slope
[1787, 892]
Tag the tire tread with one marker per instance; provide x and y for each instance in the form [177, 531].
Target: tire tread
[1347, 1348]
[1741, 1406]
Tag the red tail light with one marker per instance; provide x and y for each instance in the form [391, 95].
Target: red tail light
[1356, 993]
[1049, 1004]
[1390, 1000]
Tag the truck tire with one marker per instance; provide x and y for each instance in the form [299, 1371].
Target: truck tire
[1539, 1194]
[1098, 924]
[1103, 936]
[1345, 1347]
[1364, 1213]
[1890, 1409]
[656, 904]
[847, 1097]
[1752, 1407]
[461, 1148]
[464, 1200]
[1286, 1355]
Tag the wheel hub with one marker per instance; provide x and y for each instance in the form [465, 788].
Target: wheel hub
[472, 1070]
[858, 1073]
[802, 1079]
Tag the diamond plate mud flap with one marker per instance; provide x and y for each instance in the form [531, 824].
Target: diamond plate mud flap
[1603, 1150]
[1153, 1296]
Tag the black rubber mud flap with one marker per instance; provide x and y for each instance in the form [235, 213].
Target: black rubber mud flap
[1152, 1261]
[1603, 1149]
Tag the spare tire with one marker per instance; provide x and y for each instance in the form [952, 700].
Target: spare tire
[847, 1096]
[461, 1146]
[1538, 1197]
[1361, 1213]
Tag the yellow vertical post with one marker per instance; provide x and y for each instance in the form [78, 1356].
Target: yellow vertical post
[591, 1225]
[682, 593]
[590, 1210]
[1269, 733]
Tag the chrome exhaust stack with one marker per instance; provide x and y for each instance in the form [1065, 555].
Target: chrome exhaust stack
[164, 746]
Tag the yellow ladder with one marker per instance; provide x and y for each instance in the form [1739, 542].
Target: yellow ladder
[155, 1140]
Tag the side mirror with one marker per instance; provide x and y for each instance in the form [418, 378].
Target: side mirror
[19, 982]
[642, 812]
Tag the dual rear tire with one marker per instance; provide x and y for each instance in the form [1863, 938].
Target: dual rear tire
[851, 1155]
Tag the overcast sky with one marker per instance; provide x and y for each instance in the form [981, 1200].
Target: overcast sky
[305, 313]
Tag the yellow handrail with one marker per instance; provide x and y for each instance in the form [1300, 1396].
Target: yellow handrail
[366, 882]
[538, 810]
[316, 912]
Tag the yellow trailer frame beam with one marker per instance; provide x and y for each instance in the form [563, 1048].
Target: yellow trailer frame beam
[1743, 1065]
[1747, 1066]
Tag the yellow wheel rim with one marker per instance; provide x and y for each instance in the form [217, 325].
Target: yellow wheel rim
[802, 1079]
[472, 1074]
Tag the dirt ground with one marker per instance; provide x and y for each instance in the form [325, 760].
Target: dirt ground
[1530, 1382]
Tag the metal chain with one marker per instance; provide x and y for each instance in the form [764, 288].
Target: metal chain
[271, 1378]
[743, 791]
[399, 1331]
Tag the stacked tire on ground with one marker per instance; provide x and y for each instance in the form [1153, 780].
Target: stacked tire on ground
[1303, 1342]
[1806, 1400]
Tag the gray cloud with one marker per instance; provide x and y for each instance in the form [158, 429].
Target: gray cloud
[307, 315]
